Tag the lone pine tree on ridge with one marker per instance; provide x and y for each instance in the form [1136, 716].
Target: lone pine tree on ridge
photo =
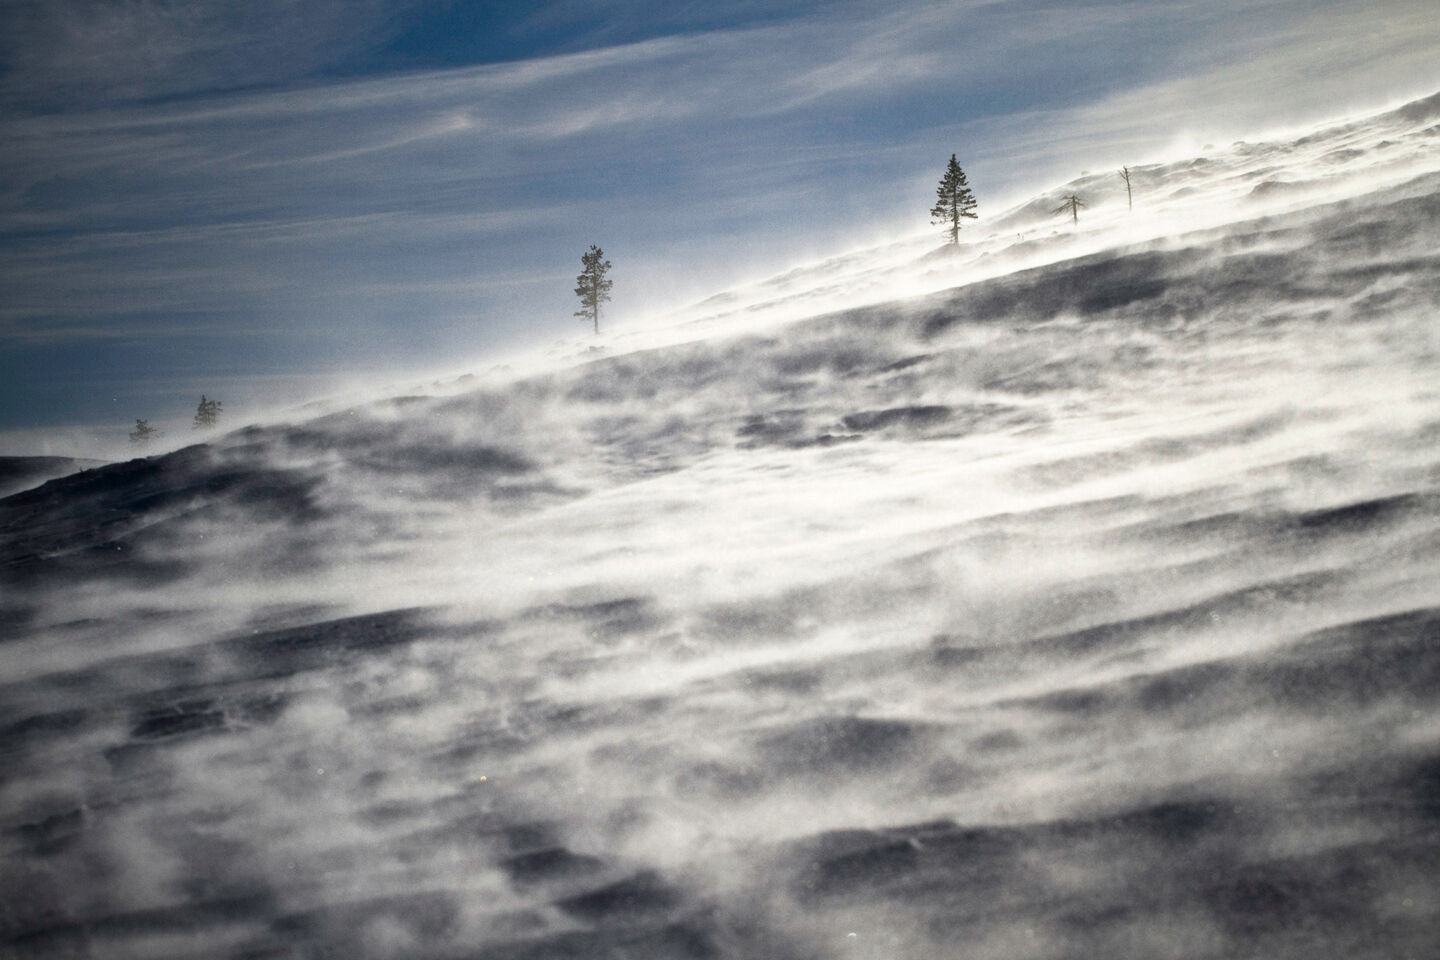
[591, 286]
[955, 200]
[208, 414]
[143, 433]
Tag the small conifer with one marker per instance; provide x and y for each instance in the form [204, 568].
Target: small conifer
[208, 414]
[954, 202]
[592, 287]
[143, 433]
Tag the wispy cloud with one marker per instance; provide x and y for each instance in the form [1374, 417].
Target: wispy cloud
[696, 158]
[1319, 66]
[60, 52]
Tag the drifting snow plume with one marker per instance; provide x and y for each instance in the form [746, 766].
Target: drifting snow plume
[1238, 182]
[1087, 609]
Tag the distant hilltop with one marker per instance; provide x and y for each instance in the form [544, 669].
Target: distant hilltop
[22, 473]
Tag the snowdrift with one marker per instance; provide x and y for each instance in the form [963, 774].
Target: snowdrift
[1086, 609]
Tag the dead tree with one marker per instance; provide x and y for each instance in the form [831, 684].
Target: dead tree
[1129, 200]
[1071, 206]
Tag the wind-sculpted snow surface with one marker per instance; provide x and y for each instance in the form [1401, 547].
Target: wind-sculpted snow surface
[1241, 180]
[1090, 610]
[21, 473]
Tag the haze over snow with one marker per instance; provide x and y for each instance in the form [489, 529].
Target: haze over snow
[264, 202]
[1085, 610]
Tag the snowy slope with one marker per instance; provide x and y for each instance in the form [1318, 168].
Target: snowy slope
[1087, 609]
[22, 473]
[1228, 183]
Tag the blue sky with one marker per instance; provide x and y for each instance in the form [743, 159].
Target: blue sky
[249, 200]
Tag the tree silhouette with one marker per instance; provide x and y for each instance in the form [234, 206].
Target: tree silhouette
[591, 286]
[1129, 200]
[954, 200]
[143, 433]
[1071, 206]
[208, 414]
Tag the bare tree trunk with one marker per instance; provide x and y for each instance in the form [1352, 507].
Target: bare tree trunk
[1129, 199]
[1073, 204]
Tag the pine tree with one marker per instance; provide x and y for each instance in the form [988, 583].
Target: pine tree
[208, 415]
[592, 287]
[143, 433]
[1071, 206]
[955, 200]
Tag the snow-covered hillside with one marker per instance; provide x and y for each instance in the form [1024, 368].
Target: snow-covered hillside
[22, 473]
[1087, 609]
[1240, 181]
